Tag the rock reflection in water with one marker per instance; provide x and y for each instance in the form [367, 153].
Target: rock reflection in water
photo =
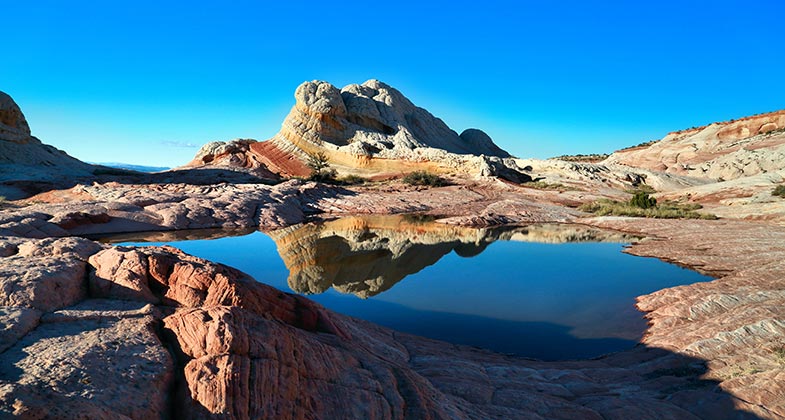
[171, 235]
[367, 255]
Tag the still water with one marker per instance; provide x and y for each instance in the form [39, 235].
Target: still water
[551, 292]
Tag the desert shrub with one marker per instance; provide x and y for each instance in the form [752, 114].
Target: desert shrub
[589, 158]
[648, 189]
[320, 168]
[324, 175]
[644, 144]
[779, 191]
[662, 211]
[317, 162]
[542, 185]
[352, 180]
[779, 355]
[642, 200]
[423, 178]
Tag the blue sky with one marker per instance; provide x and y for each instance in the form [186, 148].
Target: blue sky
[145, 82]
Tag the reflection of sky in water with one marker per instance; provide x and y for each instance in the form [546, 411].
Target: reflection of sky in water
[550, 301]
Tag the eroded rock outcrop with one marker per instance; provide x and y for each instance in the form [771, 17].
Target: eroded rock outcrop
[369, 129]
[113, 207]
[243, 154]
[372, 119]
[64, 355]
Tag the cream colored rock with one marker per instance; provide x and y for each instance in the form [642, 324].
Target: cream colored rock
[370, 130]
[376, 120]
[725, 151]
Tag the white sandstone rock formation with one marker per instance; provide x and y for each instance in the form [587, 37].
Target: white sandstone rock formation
[369, 129]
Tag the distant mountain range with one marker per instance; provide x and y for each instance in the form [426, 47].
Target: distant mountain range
[130, 167]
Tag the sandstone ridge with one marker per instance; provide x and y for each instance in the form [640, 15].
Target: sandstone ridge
[24, 157]
[719, 151]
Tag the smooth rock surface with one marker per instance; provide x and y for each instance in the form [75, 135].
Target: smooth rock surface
[727, 150]
[96, 367]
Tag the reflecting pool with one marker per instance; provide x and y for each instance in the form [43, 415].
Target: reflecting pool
[548, 291]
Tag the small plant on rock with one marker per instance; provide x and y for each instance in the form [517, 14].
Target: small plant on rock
[779, 355]
[320, 168]
[779, 191]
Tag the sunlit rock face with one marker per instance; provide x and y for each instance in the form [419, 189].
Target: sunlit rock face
[373, 119]
[369, 129]
[365, 256]
[720, 151]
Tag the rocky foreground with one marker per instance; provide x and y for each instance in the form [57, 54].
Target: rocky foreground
[102, 332]
[95, 331]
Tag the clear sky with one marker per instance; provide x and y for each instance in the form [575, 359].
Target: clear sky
[147, 82]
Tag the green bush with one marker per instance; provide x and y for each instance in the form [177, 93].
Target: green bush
[648, 189]
[642, 200]
[423, 178]
[352, 180]
[324, 175]
[779, 191]
[317, 162]
[662, 211]
[542, 185]
[320, 168]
